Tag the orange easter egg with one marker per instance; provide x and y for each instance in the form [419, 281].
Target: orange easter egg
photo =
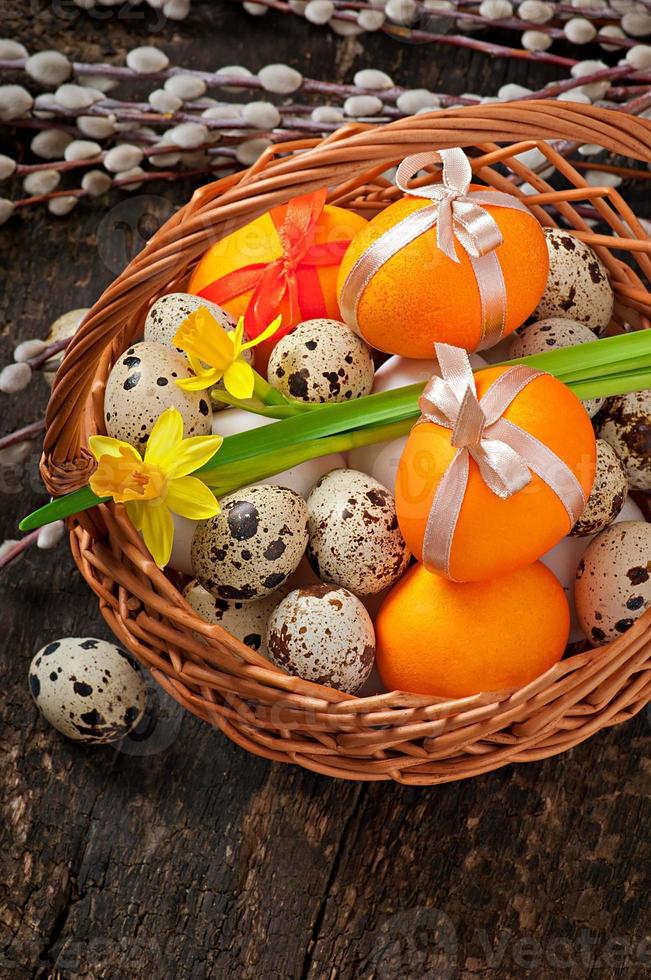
[420, 296]
[494, 536]
[471, 637]
[259, 242]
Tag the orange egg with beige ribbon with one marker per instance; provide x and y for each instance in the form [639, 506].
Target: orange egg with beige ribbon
[496, 471]
[450, 262]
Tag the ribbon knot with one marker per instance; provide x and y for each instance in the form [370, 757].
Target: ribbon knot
[505, 454]
[292, 276]
[460, 216]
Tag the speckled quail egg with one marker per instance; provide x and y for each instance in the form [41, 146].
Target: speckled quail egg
[625, 423]
[300, 478]
[141, 385]
[247, 621]
[254, 545]
[551, 334]
[380, 459]
[88, 689]
[578, 285]
[323, 634]
[613, 581]
[563, 560]
[355, 540]
[168, 313]
[607, 495]
[62, 328]
[321, 361]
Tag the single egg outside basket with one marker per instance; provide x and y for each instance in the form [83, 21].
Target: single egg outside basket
[216, 677]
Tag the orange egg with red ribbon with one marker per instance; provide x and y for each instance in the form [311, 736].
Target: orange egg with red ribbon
[285, 262]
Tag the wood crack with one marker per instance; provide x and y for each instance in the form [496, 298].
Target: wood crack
[360, 799]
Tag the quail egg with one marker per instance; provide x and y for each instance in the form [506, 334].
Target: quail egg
[253, 546]
[323, 634]
[613, 581]
[142, 385]
[64, 327]
[88, 689]
[551, 334]
[355, 540]
[563, 560]
[247, 621]
[168, 313]
[578, 286]
[625, 423]
[321, 361]
[607, 495]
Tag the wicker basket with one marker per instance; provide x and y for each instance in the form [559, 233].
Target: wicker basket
[410, 739]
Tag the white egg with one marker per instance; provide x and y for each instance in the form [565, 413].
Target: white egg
[180, 559]
[88, 689]
[380, 460]
[299, 478]
[564, 558]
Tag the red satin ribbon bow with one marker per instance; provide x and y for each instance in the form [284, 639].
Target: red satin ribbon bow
[292, 275]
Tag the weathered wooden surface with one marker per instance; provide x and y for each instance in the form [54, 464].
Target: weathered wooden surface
[183, 856]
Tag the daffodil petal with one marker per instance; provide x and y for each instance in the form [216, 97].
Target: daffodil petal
[191, 498]
[106, 446]
[238, 336]
[135, 509]
[265, 335]
[166, 434]
[200, 382]
[239, 380]
[158, 532]
[191, 454]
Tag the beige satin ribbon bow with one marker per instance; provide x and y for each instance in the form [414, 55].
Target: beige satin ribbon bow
[459, 215]
[504, 453]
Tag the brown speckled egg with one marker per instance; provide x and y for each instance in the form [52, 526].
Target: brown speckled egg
[247, 621]
[551, 334]
[323, 634]
[625, 423]
[88, 689]
[253, 546]
[613, 581]
[168, 313]
[141, 385]
[355, 540]
[321, 361]
[607, 495]
[578, 286]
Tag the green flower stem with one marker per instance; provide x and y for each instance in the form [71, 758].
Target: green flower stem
[232, 476]
[603, 368]
[62, 507]
[266, 393]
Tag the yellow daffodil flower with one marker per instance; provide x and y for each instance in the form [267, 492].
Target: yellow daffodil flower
[205, 341]
[154, 486]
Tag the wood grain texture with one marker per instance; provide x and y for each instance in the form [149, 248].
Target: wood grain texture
[181, 855]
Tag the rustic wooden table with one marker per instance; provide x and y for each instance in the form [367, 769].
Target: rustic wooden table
[181, 855]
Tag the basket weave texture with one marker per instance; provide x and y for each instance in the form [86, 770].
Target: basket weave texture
[408, 738]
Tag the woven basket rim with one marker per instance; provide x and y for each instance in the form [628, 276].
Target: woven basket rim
[400, 736]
